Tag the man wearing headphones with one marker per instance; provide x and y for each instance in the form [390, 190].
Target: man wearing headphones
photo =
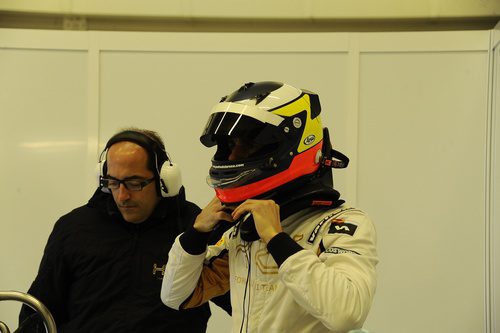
[297, 259]
[103, 264]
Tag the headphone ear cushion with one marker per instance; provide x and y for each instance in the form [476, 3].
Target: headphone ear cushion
[100, 172]
[171, 179]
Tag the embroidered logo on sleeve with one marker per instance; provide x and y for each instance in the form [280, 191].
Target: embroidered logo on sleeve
[339, 250]
[341, 227]
[220, 241]
[159, 271]
[315, 232]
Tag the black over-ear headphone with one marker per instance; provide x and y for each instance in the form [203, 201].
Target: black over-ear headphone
[167, 174]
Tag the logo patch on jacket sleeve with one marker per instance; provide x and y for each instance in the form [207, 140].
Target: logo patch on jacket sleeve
[338, 227]
[220, 241]
[339, 250]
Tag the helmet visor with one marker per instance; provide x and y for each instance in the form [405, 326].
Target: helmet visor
[240, 120]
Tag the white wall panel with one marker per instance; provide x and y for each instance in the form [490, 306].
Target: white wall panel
[422, 162]
[43, 142]
[494, 203]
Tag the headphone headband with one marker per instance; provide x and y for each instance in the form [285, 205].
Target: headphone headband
[157, 154]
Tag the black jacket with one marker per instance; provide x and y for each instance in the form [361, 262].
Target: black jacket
[100, 273]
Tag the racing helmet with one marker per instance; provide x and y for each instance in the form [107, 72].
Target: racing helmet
[282, 121]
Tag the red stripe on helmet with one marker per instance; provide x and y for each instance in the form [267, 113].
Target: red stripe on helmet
[302, 164]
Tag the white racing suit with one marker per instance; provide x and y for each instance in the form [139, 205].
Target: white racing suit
[317, 276]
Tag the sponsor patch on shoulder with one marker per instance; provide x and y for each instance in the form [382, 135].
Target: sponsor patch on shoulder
[338, 226]
[339, 250]
[220, 241]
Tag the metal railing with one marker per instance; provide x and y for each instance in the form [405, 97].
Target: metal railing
[32, 302]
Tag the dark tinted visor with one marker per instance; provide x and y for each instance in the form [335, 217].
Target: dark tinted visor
[223, 124]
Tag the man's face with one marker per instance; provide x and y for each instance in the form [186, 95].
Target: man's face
[128, 161]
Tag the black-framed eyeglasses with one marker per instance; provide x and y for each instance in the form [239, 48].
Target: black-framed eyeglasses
[130, 184]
